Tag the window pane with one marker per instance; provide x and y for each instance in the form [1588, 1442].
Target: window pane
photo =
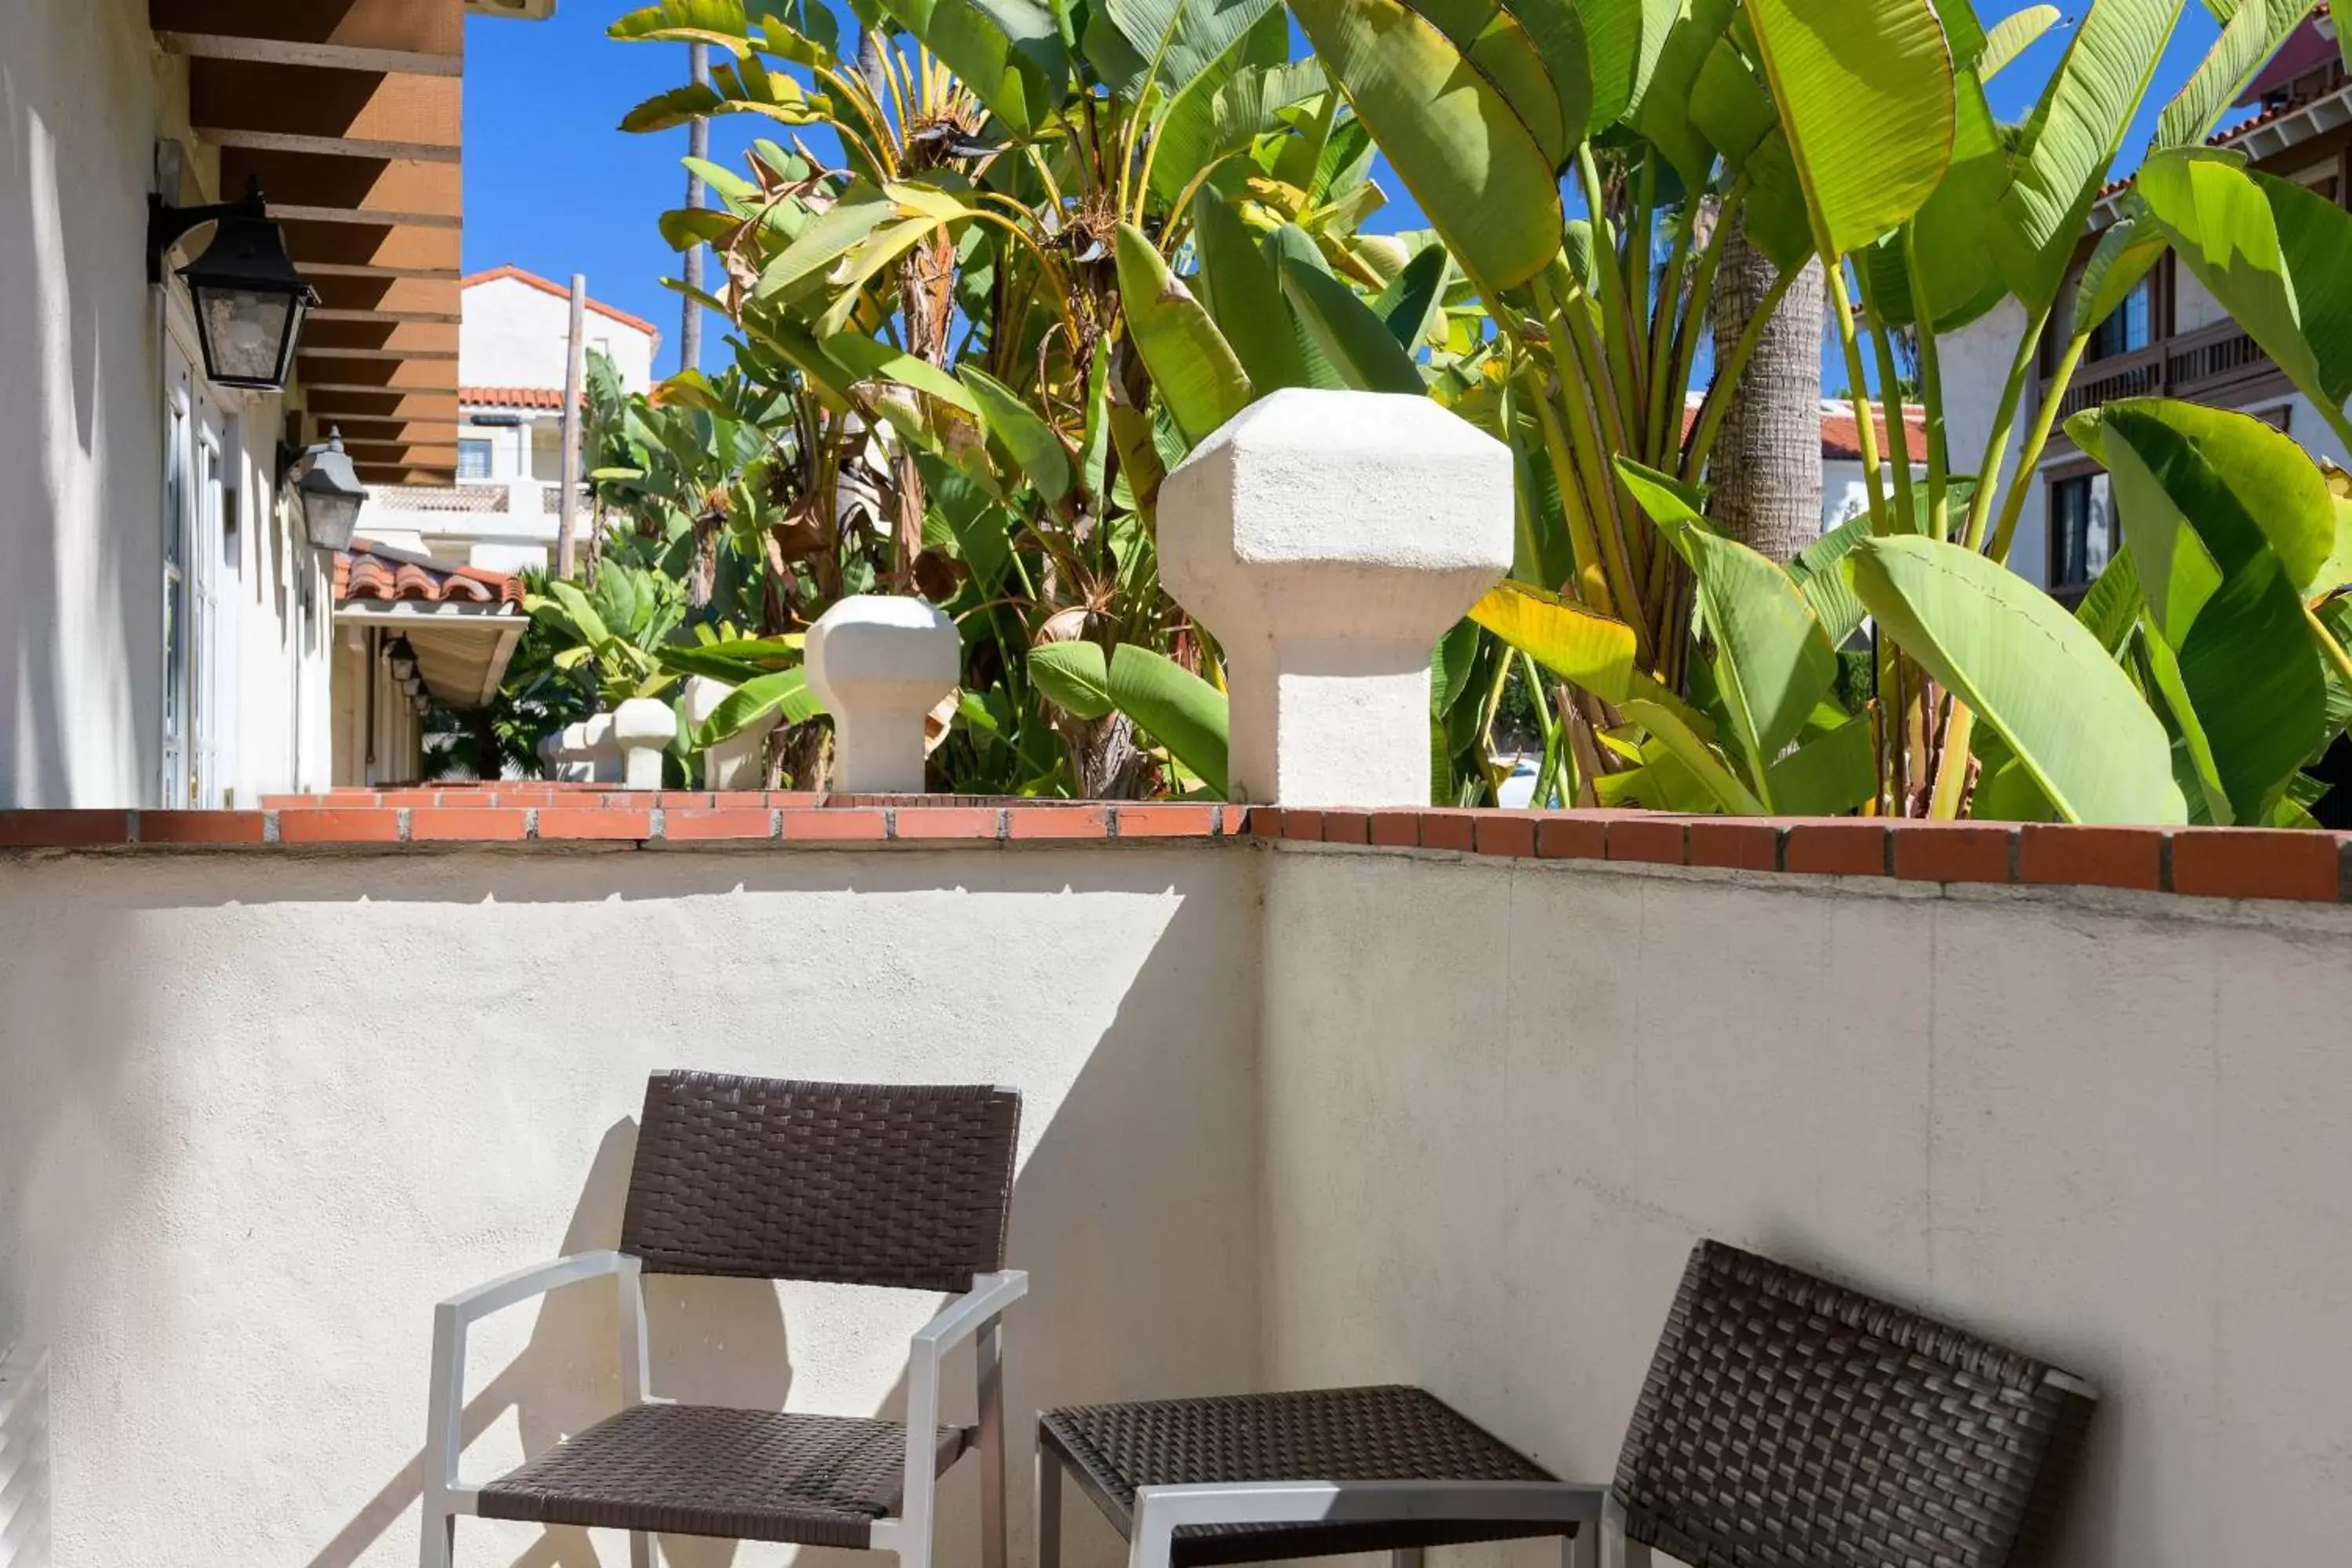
[473, 459]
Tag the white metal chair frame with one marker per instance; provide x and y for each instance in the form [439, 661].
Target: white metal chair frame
[976, 1316]
[1161, 1511]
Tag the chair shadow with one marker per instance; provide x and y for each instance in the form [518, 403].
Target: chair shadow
[715, 1342]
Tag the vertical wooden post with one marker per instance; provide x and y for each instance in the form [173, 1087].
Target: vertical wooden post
[575, 376]
[697, 145]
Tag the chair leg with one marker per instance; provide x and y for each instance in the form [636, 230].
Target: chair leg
[1049, 1510]
[439, 1547]
[641, 1550]
[1405, 1557]
[1616, 1551]
[1581, 1550]
[988, 1352]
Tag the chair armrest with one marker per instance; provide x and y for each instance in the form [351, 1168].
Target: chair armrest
[1160, 1511]
[444, 1438]
[967, 1314]
[498, 1294]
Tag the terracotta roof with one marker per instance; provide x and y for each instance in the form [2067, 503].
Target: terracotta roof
[1840, 438]
[549, 397]
[376, 573]
[547, 287]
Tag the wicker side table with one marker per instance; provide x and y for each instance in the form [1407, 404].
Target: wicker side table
[1258, 1478]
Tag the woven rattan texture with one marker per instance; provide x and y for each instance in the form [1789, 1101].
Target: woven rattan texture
[1338, 1434]
[1789, 1423]
[748, 1475]
[842, 1182]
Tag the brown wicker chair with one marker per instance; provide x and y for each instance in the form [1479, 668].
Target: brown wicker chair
[1786, 1422]
[764, 1179]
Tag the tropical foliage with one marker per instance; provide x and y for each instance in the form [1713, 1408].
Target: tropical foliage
[1003, 263]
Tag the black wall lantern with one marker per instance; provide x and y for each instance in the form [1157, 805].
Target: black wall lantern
[330, 489]
[249, 299]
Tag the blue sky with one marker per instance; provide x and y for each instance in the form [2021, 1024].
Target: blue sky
[551, 184]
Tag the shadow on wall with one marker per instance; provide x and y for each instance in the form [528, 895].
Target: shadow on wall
[1134, 1210]
[80, 560]
[715, 1342]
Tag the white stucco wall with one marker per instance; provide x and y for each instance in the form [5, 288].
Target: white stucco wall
[261, 1111]
[1502, 1098]
[513, 334]
[80, 389]
[85, 96]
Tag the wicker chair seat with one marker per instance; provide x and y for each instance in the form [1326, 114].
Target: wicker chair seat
[1320, 1435]
[749, 1474]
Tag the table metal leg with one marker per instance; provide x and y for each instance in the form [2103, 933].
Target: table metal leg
[1049, 1510]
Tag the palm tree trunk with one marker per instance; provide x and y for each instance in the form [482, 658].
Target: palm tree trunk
[1765, 474]
[697, 145]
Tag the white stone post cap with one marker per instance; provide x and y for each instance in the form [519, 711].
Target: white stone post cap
[874, 643]
[1339, 513]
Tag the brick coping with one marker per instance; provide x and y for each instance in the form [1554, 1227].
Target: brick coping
[2199, 862]
[2205, 862]
[391, 819]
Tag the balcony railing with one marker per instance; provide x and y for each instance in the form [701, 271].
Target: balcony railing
[2196, 367]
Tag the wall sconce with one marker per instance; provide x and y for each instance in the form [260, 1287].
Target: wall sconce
[249, 299]
[330, 489]
[403, 656]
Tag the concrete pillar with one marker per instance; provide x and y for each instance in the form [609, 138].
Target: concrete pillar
[732, 764]
[643, 729]
[597, 757]
[1328, 540]
[880, 665]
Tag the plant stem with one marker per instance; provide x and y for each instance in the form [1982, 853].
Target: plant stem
[1613, 294]
[2045, 420]
[1931, 388]
[1665, 429]
[1890, 400]
[1997, 444]
[1873, 479]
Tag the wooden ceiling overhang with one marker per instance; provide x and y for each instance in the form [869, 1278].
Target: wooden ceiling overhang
[351, 115]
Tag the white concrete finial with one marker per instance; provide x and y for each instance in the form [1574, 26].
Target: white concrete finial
[1329, 539]
[880, 665]
[643, 729]
[734, 763]
[597, 759]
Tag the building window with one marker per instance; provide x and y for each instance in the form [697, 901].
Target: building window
[473, 459]
[2128, 330]
[2082, 531]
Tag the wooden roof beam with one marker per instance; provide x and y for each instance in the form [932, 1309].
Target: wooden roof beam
[435, 27]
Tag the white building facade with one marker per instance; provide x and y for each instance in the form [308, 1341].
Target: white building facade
[2170, 339]
[513, 344]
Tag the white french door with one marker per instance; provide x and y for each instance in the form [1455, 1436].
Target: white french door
[199, 659]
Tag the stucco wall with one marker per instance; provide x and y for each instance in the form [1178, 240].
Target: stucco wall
[1976, 362]
[514, 334]
[85, 96]
[1503, 1099]
[80, 388]
[261, 1111]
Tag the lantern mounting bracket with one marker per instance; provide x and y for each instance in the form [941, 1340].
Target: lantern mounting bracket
[168, 225]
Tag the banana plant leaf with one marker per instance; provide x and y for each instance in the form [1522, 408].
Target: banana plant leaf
[1008, 52]
[1197, 373]
[784, 692]
[1167, 701]
[1030, 441]
[2276, 255]
[2223, 515]
[2032, 674]
[1865, 93]
[2250, 37]
[2070, 141]
[1573, 642]
[1470, 161]
[1349, 334]
[2011, 37]
[1243, 290]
